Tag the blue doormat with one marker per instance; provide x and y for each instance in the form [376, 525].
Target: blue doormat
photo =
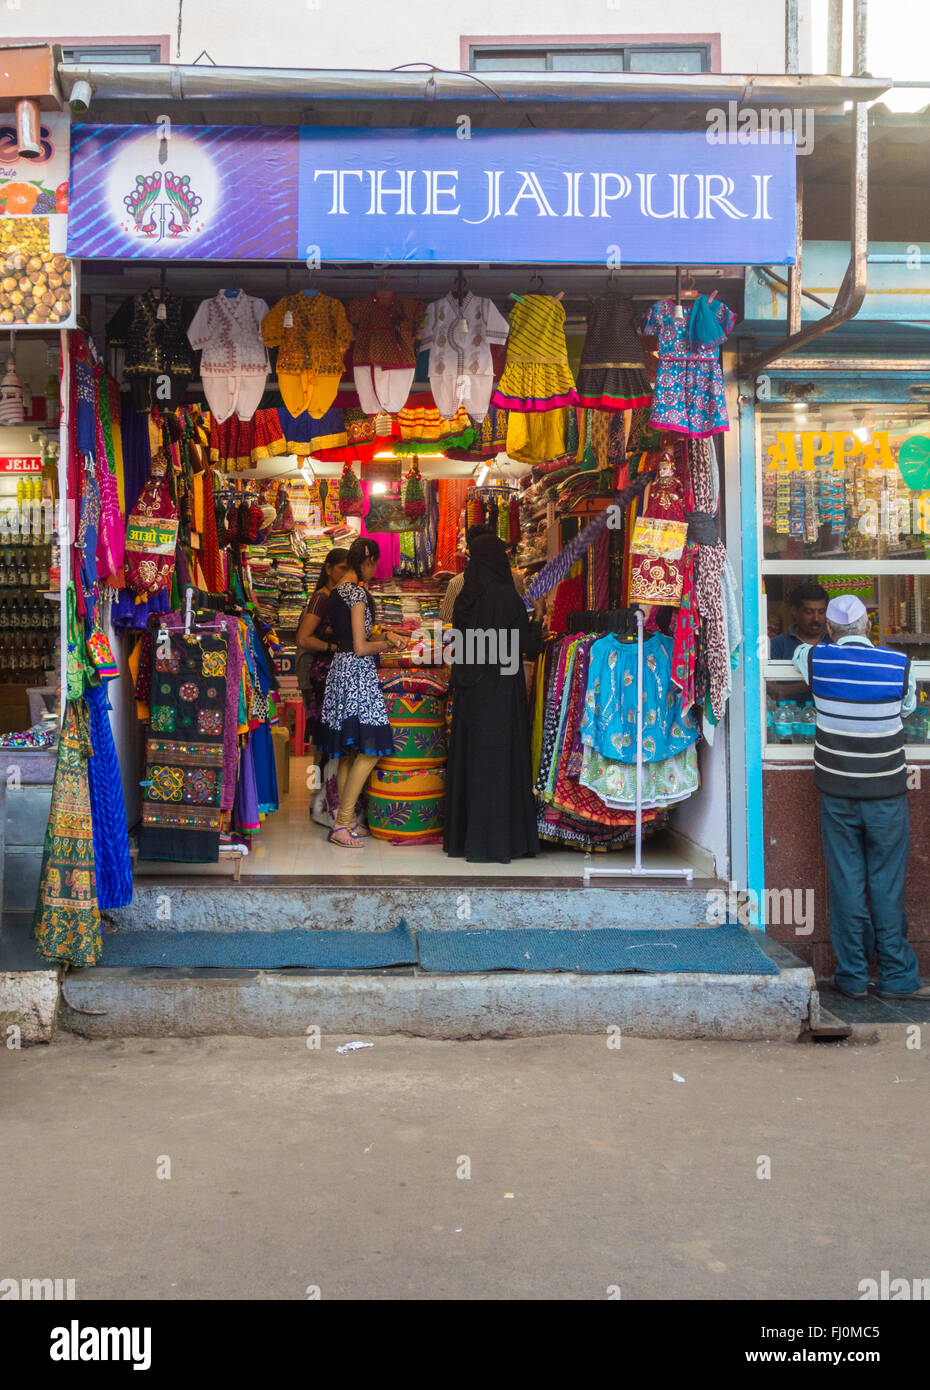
[726, 950]
[262, 950]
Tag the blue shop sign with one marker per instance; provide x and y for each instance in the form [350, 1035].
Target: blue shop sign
[608, 198]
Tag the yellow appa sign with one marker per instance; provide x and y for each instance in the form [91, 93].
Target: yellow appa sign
[819, 445]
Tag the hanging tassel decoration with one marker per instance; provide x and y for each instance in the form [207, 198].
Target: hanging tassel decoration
[350, 493]
[414, 497]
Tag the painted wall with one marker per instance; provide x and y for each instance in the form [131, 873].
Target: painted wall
[704, 819]
[360, 34]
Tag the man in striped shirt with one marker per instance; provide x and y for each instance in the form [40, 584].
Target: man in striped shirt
[860, 693]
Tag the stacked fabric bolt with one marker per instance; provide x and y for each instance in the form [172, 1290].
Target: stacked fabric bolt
[408, 603]
[319, 544]
[287, 550]
[264, 581]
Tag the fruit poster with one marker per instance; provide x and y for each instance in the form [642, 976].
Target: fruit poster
[37, 288]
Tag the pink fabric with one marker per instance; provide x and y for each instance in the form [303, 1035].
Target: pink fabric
[389, 542]
[111, 533]
[534, 405]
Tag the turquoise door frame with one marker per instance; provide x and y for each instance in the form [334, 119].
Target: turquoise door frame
[755, 651]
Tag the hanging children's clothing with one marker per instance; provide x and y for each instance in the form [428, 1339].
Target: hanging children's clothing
[609, 722]
[155, 346]
[311, 335]
[459, 338]
[612, 375]
[609, 726]
[307, 434]
[383, 354]
[234, 362]
[537, 376]
[689, 384]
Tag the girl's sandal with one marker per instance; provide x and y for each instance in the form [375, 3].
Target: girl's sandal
[352, 842]
[359, 829]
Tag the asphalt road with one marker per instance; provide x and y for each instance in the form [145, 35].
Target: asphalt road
[554, 1168]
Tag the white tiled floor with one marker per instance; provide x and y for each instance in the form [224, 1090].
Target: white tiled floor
[291, 844]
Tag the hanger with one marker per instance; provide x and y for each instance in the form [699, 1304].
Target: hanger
[161, 312]
[232, 294]
[689, 292]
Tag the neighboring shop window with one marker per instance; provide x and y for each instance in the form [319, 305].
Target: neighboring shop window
[651, 58]
[845, 493]
[104, 52]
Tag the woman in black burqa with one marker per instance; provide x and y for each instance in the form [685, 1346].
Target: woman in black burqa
[490, 812]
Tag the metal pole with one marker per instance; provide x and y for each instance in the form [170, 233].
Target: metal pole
[852, 291]
[792, 61]
[835, 37]
[860, 36]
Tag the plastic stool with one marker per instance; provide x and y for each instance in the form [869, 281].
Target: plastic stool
[299, 736]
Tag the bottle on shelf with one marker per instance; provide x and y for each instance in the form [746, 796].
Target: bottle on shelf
[784, 721]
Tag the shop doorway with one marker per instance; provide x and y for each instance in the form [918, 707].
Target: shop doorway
[289, 843]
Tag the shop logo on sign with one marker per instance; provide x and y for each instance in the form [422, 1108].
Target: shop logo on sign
[157, 203]
[162, 208]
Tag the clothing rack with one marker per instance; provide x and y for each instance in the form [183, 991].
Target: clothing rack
[638, 870]
[197, 600]
[619, 620]
[504, 485]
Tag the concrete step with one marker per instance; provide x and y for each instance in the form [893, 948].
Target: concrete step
[117, 1002]
[199, 904]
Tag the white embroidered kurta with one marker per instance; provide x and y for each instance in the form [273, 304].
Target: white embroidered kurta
[459, 339]
[234, 362]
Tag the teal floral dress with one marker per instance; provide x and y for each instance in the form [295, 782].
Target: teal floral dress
[608, 729]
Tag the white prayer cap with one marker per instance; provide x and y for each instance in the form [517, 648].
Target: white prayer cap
[845, 609]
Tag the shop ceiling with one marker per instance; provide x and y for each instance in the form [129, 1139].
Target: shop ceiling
[271, 279]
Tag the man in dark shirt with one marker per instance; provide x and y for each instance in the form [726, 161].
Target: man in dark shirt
[809, 604]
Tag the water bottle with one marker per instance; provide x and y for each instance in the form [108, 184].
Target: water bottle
[783, 722]
[809, 725]
[769, 719]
